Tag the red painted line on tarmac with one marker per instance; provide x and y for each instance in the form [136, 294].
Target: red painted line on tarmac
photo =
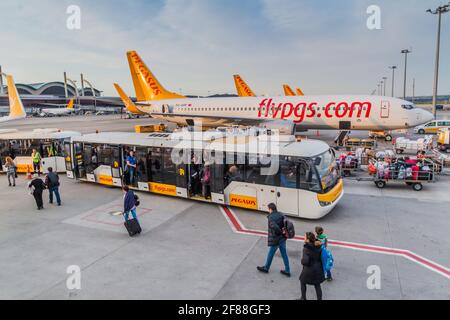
[240, 228]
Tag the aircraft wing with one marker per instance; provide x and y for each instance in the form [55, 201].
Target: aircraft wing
[285, 126]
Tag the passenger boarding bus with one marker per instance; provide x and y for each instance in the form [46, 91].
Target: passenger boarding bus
[49, 143]
[300, 177]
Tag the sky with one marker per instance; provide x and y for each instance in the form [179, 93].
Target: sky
[196, 46]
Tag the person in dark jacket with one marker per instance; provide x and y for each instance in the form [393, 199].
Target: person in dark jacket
[37, 187]
[52, 183]
[276, 240]
[129, 204]
[312, 273]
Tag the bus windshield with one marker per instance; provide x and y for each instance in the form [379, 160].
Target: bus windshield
[327, 168]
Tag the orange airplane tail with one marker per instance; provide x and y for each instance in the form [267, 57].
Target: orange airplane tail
[288, 91]
[300, 92]
[131, 107]
[146, 85]
[16, 109]
[242, 87]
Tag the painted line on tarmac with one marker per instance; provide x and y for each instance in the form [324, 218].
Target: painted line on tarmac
[238, 227]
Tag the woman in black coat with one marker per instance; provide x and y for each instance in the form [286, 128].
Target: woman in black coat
[312, 273]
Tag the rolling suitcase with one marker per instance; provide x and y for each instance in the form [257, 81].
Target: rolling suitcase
[133, 227]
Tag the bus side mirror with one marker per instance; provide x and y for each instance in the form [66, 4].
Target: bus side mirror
[317, 161]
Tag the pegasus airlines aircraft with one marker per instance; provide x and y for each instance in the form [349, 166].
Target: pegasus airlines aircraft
[59, 111]
[16, 109]
[343, 112]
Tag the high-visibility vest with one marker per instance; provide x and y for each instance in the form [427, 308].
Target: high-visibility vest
[36, 157]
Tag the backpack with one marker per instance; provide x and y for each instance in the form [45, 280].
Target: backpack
[288, 229]
[327, 259]
[136, 201]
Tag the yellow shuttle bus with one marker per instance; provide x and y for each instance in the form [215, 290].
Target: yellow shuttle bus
[49, 143]
[245, 170]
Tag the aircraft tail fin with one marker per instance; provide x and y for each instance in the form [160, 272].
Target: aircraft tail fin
[288, 91]
[300, 92]
[146, 85]
[242, 87]
[16, 109]
[71, 104]
[131, 107]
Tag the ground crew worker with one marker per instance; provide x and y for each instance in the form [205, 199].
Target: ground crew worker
[37, 187]
[36, 157]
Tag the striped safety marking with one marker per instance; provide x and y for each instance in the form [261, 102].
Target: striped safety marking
[238, 227]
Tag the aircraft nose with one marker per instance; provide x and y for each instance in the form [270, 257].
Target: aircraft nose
[423, 117]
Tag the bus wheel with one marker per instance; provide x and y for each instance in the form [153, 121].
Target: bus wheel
[380, 184]
[421, 131]
[417, 187]
[388, 138]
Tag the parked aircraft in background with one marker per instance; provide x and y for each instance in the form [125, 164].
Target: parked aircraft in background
[16, 109]
[57, 111]
[343, 112]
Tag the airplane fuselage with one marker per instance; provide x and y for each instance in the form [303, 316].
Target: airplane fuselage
[307, 112]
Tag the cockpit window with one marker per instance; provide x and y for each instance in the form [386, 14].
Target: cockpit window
[408, 106]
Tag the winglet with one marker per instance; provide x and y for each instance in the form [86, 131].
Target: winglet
[16, 109]
[146, 85]
[131, 107]
[70, 105]
[300, 92]
[288, 91]
[242, 87]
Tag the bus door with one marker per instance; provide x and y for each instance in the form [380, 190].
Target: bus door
[48, 156]
[143, 157]
[287, 193]
[218, 183]
[88, 162]
[69, 160]
[182, 175]
[116, 165]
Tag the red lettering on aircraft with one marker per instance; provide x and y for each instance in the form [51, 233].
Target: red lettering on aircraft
[298, 113]
[146, 74]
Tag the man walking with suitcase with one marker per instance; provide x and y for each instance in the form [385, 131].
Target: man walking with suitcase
[130, 202]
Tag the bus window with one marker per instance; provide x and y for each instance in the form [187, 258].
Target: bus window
[170, 169]
[156, 165]
[288, 174]
[143, 163]
[308, 177]
[258, 173]
[327, 169]
[234, 173]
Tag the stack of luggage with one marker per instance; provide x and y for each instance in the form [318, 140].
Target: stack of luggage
[400, 169]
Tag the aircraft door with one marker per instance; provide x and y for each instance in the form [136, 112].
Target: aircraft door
[385, 109]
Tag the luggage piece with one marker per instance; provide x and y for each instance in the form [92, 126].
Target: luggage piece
[133, 227]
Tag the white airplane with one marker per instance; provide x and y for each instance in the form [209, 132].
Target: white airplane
[16, 109]
[334, 112]
[59, 111]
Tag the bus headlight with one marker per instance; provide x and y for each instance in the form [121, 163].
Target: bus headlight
[325, 204]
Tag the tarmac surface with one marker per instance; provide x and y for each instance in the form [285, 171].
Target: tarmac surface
[191, 250]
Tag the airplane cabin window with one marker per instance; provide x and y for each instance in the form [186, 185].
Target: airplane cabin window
[408, 106]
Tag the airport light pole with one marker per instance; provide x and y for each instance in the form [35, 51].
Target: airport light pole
[1, 81]
[405, 52]
[73, 82]
[439, 11]
[393, 78]
[93, 92]
[384, 89]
